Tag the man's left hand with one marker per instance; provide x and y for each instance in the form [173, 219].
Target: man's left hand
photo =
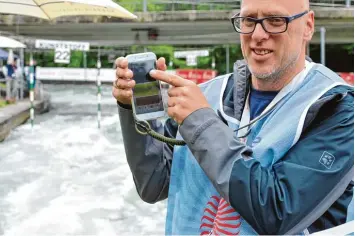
[184, 98]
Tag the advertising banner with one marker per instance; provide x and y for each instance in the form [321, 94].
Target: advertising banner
[347, 77]
[196, 75]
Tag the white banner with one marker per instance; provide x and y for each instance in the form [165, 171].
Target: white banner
[76, 74]
[54, 44]
[197, 53]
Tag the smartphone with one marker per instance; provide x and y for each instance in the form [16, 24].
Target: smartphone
[147, 99]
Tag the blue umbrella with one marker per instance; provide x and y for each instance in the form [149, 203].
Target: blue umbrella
[4, 55]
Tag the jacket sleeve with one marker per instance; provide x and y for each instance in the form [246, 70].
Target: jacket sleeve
[148, 159]
[273, 200]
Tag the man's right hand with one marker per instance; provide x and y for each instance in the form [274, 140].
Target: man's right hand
[123, 85]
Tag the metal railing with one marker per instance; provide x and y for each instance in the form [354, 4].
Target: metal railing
[180, 5]
[16, 89]
[11, 89]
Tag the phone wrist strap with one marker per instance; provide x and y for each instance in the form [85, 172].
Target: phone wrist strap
[143, 128]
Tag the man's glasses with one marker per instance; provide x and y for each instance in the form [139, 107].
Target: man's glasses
[271, 24]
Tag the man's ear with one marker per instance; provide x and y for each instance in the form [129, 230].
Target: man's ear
[309, 29]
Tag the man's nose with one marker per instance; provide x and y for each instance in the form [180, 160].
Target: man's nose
[259, 33]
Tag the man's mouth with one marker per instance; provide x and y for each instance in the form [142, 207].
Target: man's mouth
[262, 52]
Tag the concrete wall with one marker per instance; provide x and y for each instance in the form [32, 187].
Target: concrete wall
[19, 114]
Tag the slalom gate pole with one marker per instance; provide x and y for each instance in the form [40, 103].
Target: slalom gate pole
[31, 72]
[98, 81]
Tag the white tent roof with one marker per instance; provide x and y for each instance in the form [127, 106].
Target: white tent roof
[6, 42]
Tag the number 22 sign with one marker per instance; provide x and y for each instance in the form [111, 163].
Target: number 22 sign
[62, 55]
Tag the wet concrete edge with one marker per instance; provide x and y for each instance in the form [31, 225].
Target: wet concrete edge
[21, 116]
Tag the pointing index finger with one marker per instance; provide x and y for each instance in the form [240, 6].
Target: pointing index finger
[121, 62]
[171, 79]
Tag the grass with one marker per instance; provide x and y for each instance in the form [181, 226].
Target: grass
[146, 89]
[3, 103]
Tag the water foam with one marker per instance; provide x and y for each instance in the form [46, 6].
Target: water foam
[67, 177]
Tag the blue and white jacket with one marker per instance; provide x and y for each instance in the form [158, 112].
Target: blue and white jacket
[275, 199]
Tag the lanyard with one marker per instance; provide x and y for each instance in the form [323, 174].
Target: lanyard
[245, 121]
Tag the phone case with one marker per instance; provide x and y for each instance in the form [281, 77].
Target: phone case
[149, 115]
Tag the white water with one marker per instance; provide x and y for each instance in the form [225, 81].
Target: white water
[67, 177]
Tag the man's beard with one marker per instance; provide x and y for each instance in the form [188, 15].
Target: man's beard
[277, 72]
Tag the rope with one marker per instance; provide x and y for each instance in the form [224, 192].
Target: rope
[143, 128]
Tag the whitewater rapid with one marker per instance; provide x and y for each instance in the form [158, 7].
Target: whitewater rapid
[67, 177]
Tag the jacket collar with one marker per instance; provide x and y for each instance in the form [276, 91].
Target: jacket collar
[241, 76]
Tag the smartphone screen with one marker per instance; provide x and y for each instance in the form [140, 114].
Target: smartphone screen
[147, 96]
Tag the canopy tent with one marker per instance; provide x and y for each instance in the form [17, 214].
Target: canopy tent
[6, 42]
[4, 55]
[50, 9]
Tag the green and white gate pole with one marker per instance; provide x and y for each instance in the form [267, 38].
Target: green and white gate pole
[98, 80]
[31, 72]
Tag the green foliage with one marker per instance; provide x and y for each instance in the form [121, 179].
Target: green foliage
[130, 5]
[137, 6]
[204, 62]
[76, 59]
[46, 57]
[220, 57]
[3, 103]
[349, 48]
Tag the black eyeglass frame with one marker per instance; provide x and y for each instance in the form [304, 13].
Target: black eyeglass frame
[287, 19]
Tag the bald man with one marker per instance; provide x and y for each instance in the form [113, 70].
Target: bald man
[269, 148]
